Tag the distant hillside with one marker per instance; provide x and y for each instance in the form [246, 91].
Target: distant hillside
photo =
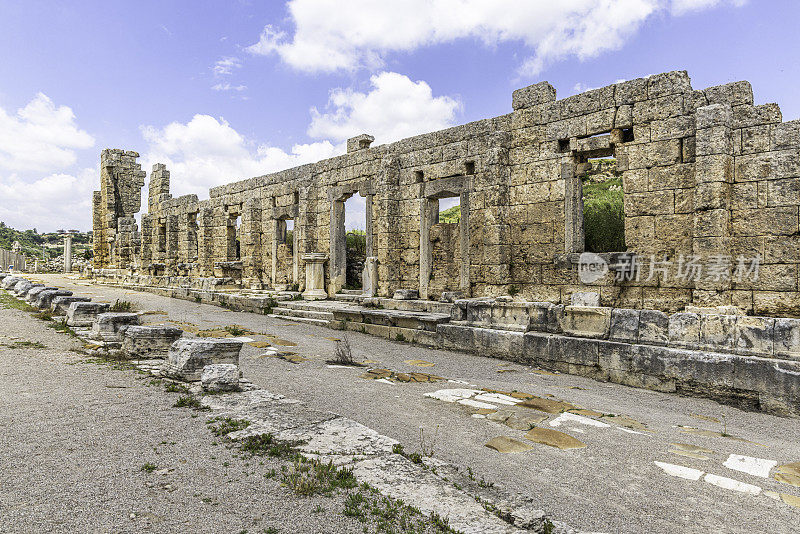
[33, 243]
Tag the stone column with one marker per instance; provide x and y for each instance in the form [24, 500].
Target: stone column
[428, 213]
[315, 276]
[67, 253]
[711, 236]
[338, 263]
[369, 278]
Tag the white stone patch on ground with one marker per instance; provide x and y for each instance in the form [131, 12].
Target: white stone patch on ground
[731, 484]
[452, 395]
[477, 404]
[759, 467]
[385, 381]
[397, 477]
[680, 471]
[575, 418]
[629, 431]
[498, 398]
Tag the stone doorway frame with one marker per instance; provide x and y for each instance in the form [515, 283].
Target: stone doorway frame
[430, 193]
[337, 196]
[279, 217]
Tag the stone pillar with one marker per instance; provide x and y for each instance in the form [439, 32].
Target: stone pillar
[369, 229]
[369, 278]
[315, 276]
[711, 236]
[428, 213]
[338, 263]
[67, 253]
[464, 243]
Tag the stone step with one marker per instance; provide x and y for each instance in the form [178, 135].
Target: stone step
[305, 320]
[349, 297]
[358, 292]
[305, 314]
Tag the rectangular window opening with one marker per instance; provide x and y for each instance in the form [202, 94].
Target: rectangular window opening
[449, 210]
[603, 205]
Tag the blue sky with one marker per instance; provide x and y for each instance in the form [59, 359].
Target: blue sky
[227, 90]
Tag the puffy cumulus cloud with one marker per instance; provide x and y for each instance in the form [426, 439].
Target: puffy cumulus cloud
[394, 108]
[50, 203]
[206, 152]
[331, 35]
[40, 137]
[680, 7]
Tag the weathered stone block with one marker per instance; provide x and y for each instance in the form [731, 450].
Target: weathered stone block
[585, 298]
[787, 339]
[591, 322]
[108, 326]
[406, 294]
[653, 327]
[187, 357]
[148, 342]
[718, 332]
[85, 313]
[61, 304]
[45, 298]
[545, 317]
[624, 325]
[684, 330]
[219, 377]
[533, 95]
[33, 293]
[754, 336]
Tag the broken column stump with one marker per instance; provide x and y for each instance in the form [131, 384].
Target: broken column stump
[188, 357]
[108, 326]
[85, 313]
[149, 342]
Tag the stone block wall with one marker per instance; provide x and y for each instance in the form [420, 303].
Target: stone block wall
[706, 174]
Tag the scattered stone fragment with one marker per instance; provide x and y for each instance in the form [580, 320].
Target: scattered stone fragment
[554, 438]
[788, 474]
[219, 377]
[547, 405]
[759, 467]
[85, 313]
[507, 445]
[419, 363]
[109, 327]
[147, 342]
[188, 357]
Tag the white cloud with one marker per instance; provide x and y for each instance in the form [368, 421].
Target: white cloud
[331, 35]
[394, 108]
[206, 152]
[226, 65]
[680, 7]
[40, 137]
[50, 203]
[228, 87]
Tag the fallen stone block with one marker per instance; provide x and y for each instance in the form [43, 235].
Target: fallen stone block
[60, 304]
[188, 357]
[406, 294]
[34, 293]
[10, 280]
[45, 298]
[585, 298]
[148, 342]
[107, 327]
[85, 313]
[22, 287]
[451, 296]
[219, 377]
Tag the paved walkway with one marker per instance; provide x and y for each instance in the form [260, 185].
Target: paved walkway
[664, 463]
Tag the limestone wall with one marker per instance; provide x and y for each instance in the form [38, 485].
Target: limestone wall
[707, 175]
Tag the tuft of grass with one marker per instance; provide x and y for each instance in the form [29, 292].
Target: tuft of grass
[9, 302]
[311, 477]
[222, 426]
[25, 345]
[121, 306]
[61, 326]
[235, 330]
[343, 355]
[149, 467]
[266, 444]
[400, 337]
[189, 401]
[44, 316]
[175, 387]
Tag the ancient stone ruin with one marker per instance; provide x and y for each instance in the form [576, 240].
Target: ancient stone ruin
[706, 173]
[697, 293]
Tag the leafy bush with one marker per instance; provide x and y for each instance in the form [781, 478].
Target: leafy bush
[603, 209]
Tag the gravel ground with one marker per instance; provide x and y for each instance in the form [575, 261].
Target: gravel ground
[612, 485]
[74, 437]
